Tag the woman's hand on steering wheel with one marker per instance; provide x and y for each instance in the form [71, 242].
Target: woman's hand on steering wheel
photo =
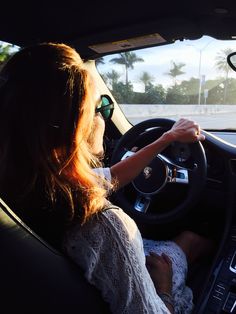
[185, 131]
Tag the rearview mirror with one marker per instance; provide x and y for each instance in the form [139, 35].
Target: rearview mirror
[231, 59]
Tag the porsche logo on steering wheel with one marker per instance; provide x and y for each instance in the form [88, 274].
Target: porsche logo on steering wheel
[147, 172]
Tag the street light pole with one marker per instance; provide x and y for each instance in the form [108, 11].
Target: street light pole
[199, 75]
[199, 71]
[199, 68]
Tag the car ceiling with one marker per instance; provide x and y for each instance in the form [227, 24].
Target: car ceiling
[85, 23]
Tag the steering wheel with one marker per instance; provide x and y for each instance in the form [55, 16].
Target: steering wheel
[178, 165]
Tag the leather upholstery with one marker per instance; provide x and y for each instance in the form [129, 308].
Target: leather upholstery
[35, 278]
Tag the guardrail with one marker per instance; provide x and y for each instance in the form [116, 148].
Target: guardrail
[141, 110]
[208, 116]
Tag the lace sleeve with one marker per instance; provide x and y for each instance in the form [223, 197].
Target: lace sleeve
[104, 173]
[109, 248]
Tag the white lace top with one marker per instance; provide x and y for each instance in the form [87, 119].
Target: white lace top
[110, 250]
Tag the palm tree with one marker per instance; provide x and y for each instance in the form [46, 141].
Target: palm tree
[146, 79]
[222, 65]
[176, 70]
[113, 78]
[99, 61]
[127, 59]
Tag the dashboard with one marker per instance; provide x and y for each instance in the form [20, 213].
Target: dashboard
[229, 137]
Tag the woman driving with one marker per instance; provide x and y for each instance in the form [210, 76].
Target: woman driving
[52, 122]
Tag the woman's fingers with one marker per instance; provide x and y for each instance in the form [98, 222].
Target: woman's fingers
[167, 259]
[154, 258]
[160, 270]
[185, 130]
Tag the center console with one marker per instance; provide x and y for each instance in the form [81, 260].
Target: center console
[222, 296]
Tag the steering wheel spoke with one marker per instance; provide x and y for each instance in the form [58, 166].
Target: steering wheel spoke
[142, 203]
[175, 173]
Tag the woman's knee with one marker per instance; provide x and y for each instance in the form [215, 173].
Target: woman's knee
[190, 243]
[193, 245]
[189, 237]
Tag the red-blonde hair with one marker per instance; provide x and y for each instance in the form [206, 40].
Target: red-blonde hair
[46, 118]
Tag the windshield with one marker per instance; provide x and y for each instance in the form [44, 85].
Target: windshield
[189, 78]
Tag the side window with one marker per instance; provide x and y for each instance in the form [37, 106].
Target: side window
[6, 50]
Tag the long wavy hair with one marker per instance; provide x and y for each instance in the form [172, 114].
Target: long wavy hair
[46, 119]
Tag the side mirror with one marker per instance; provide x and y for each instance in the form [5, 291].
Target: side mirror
[231, 59]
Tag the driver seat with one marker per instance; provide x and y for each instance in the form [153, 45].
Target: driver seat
[36, 278]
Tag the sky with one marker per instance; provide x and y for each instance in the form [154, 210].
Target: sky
[197, 54]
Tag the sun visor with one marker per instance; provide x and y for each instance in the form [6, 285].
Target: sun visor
[127, 44]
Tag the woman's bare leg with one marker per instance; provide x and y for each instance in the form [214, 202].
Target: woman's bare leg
[194, 245]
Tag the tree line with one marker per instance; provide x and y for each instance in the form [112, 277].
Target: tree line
[221, 90]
